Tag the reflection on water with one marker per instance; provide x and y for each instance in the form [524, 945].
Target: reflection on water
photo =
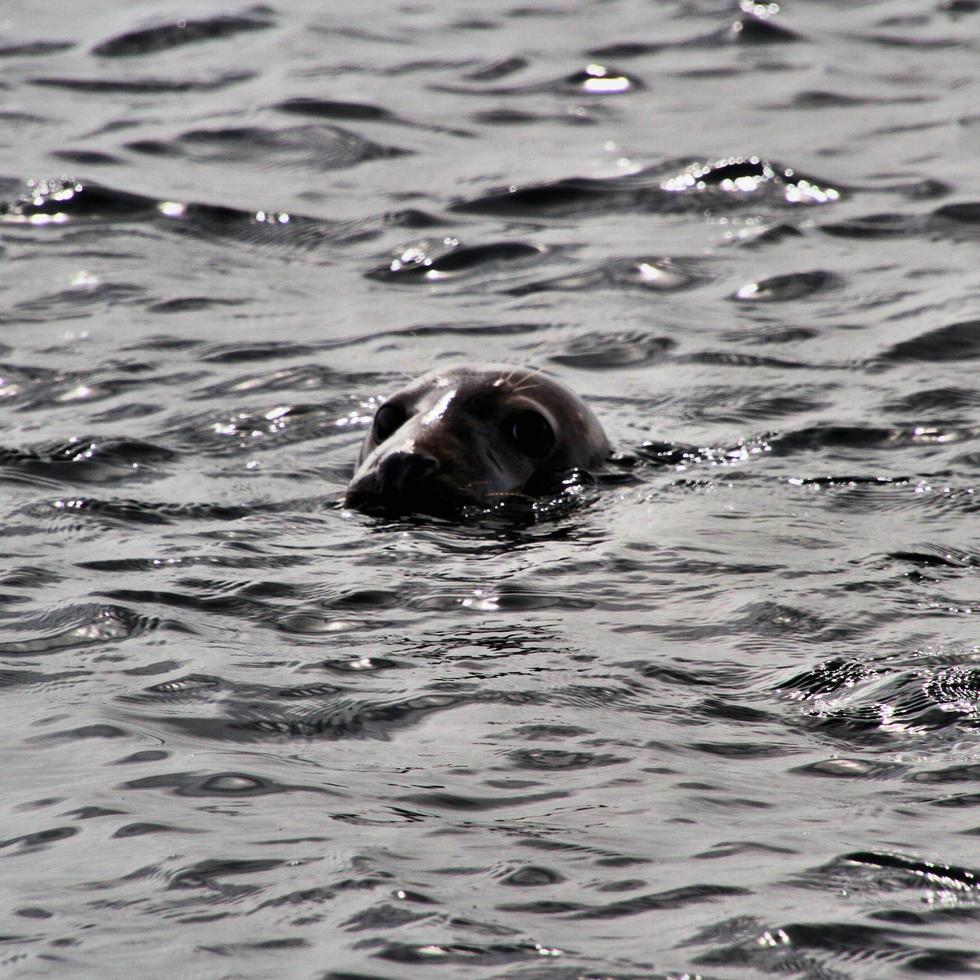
[716, 711]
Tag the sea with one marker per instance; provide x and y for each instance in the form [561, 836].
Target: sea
[713, 711]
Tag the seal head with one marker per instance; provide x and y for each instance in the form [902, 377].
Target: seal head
[473, 435]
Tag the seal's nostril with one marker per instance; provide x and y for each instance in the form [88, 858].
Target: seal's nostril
[400, 472]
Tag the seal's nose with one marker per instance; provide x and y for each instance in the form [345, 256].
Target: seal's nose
[402, 473]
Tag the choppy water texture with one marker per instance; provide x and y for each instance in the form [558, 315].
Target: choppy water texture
[719, 718]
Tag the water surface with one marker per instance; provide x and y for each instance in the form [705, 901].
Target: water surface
[721, 717]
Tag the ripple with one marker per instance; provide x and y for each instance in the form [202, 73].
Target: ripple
[85, 732]
[779, 289]
[951, 775]
[191, 304]
[557, 759]
[131, 511]
[674, 898]
[87, 158]
[967, 213]
[740, 175]
[249, 432]
[878, 226]
[757, 25]
[811, 99]
[570, 196]
[317, 108]
[923, 189]
[598, 79]
[428, 262]
[81, 300]
[459, 802]
[865, 703]
[47, 199]
[146, 86]
[35, 49]
[306, 147]
[819, 437]
[593, 79]
[74, 627]
[943, 400]
[346, 717]
[956, 342]
[207, 873]
[384, 916]
[499, 68]
[470, 954]
[884, 871]
[626, 49]
[531, 876]
[740, 360]
[67, 200]
[333, 109]
[598, 351]
[938, 557]
[729, 182]
[759, 405]
[38, 840]
[844, 768]
[163, 37]
[577, 116]
[141, 758]
[651, 275]
[218, 784]
[361, 665]
[89, 460]
[257, 350]
[180, 690]
[686, 676]
[38, 679]
[920, 42]
[809, 949]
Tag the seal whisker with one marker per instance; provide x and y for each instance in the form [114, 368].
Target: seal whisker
[527, 383]
[519, 383]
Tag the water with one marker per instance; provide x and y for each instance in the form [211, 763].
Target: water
[720, 718]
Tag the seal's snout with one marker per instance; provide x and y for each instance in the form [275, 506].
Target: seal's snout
[399, 483]
[404, 473]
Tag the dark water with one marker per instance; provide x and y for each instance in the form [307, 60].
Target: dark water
[721, 718]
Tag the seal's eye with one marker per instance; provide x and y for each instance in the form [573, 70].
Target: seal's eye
[387, 421]
[532, 433]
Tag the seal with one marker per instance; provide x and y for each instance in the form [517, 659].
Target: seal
[473, 435]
